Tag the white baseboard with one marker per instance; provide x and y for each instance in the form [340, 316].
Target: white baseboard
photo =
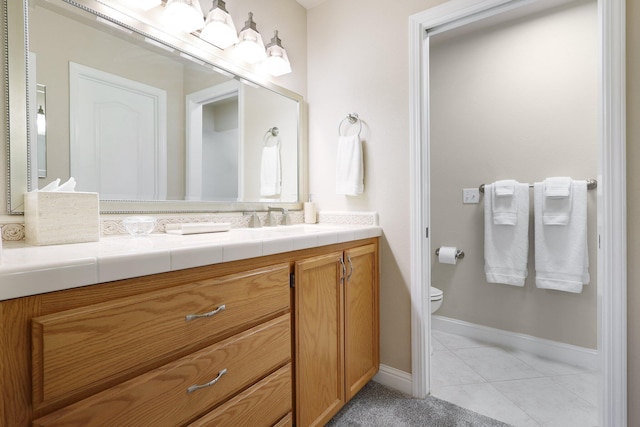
[566, 353]
[394, 378]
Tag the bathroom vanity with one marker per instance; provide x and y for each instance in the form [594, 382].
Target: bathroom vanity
[284, 335]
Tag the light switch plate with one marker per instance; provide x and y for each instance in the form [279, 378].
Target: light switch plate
[470, 195]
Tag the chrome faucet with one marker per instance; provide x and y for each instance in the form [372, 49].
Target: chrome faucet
[254, 221]
[286, 219]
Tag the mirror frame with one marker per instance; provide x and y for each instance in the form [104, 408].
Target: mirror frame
[18, 134]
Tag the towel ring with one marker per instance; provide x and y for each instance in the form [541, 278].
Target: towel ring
[271, 133]
[352, 118]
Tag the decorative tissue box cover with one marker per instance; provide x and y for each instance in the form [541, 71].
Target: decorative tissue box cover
[53, 218]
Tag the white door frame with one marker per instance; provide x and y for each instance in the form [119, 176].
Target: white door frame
[612, 253]
[194, 104]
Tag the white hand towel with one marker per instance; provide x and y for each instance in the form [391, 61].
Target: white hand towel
[270, 175]
[505, 202]
[562, 259]
[506, 247]
[559, 186]
[556, 204]
[349, 166]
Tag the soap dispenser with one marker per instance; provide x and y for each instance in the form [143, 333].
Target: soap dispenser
[309, 212]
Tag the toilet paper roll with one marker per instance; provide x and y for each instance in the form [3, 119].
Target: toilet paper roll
[447, 255]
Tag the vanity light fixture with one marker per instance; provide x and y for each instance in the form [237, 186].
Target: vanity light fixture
[184, 14]
[218, 28]
[250, 47]
[277, 62]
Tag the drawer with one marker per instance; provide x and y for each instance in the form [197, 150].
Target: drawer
[286, 421]
[86, 348]
[263, 405]
[161, 397]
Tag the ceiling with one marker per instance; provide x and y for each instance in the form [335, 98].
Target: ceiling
[308, 4]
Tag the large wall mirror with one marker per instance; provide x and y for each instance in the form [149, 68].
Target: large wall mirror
[153, 121]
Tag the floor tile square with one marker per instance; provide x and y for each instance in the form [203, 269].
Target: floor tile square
[486, 400]
[447, 369]
[496, 364]
[549, 403]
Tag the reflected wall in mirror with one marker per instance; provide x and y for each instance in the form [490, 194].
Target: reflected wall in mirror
[132, 117]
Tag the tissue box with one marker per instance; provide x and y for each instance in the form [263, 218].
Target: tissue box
[53, 218]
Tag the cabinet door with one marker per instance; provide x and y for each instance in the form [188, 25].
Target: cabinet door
[361, 318]
[319, 347]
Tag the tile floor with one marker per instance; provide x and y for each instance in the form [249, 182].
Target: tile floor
[512, 386]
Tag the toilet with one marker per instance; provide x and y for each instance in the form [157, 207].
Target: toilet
[436, 298]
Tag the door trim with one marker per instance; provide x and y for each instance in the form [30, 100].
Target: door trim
[194, 104]
[612, 253]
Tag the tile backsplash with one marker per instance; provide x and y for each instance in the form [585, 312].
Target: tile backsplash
[111, 225]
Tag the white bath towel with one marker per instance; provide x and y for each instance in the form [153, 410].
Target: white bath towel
[270, 174]
[562, 259]
[505, 202]
[506, 246]
[349, 166]
[557, 201]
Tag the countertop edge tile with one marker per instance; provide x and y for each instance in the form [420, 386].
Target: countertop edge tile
[28, 270]
[183, 258]
[34, 282]
[127, 265]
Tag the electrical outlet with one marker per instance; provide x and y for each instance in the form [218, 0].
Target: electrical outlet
[470, 195]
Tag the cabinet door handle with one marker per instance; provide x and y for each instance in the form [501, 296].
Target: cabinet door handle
[350, 268]
[209, 384]
[209, 314]
[344, 270]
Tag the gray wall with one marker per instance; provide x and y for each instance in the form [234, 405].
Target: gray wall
[513, 101]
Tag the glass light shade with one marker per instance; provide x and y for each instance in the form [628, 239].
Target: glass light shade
[219, 29]
[184, 14]
[277, 65]
[277, 62]
[250, 47]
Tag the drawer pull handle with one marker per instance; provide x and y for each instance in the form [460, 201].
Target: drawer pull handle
[209, 314]
[351, 268]
[209, 384]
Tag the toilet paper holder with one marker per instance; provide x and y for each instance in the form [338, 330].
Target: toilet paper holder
[459, 253]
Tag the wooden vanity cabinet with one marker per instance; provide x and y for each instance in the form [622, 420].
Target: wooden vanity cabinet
[336, 330]
[129, 352]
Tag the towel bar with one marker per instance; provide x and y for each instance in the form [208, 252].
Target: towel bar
[592, 184]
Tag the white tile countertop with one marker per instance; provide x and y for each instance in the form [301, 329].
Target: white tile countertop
[30, 270]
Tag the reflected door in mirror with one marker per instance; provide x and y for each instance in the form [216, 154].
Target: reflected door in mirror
[118, 135]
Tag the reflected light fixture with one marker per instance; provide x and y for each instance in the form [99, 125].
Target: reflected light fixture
[277, 62]
[250, 47]
[218, 27]
[41, 121]
[184, 14]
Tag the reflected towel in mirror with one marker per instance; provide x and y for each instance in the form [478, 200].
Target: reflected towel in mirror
[270, 174]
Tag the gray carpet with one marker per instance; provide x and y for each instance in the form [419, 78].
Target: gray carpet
[379, 406]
